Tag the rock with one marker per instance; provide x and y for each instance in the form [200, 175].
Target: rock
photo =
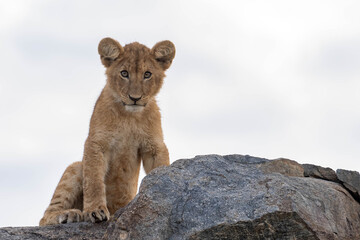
[245, 159]
[230, 197]
[319, 172]
[283, 166]
[286, 224]
[73, 231]
[351, 180]
[214, 197]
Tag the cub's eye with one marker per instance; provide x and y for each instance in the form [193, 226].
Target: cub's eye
[124, 73]
[147, 74]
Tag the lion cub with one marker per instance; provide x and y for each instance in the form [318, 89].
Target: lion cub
[125, 128]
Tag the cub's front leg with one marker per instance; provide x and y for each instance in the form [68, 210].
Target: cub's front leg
[94, 170]
[155, 154]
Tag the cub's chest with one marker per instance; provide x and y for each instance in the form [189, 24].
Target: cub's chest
[128, 135]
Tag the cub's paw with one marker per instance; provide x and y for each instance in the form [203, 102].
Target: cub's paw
[97, 215]
[70, 215]
[61, 216]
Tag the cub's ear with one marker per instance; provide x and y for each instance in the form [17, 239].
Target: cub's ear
[109, 50]
[164, 53]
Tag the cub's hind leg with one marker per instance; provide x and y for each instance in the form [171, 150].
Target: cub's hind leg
[67, 202]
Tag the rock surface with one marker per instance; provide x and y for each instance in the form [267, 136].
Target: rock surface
[223, 197]
[351, 181]
[284, 166]
[319, 172]
[56, 232]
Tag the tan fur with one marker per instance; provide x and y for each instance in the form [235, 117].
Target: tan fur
[123, 131]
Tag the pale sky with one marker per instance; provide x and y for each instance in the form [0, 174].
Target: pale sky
[266, 78]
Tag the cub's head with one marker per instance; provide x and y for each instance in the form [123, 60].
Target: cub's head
[134, 72]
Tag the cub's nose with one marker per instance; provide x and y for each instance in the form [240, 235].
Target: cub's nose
[135, 98]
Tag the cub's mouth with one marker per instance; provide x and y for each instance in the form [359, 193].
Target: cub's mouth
[134, 107]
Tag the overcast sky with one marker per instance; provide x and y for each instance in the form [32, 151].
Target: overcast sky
[265, 78]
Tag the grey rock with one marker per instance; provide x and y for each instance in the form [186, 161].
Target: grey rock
[215, 197]
[246, 159]
[73, 231]
[315, 171]
[351, 180]
[287, 225]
